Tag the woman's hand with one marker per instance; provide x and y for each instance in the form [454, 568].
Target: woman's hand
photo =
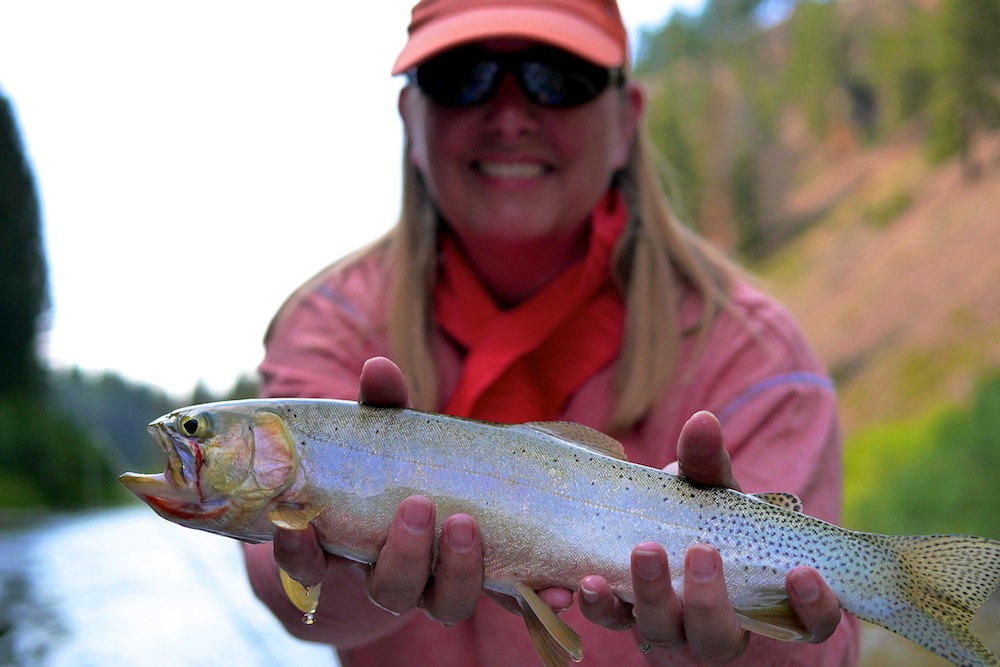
[400, 580]
[703, 620]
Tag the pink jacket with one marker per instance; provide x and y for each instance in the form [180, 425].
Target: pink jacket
[774, 399]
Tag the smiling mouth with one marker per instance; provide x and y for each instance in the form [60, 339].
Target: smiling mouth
[511, 170]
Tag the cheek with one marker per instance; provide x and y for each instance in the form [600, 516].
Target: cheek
[440, 151]
[418, 151]
[450, 135]
[621, 113]
[415, 117]
[605, 146]
[621, 152]
[227, 462]
[592, 162]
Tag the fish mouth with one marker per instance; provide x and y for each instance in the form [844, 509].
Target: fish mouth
[184, 456]
[180, 481]
[171, 502]
[175, 493]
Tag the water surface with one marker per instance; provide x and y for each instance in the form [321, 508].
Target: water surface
[126, 588]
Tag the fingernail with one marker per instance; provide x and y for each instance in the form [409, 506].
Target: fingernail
[701, 565]
[590, 596]
[416, 515]
[460, 534]
[647, 565]
[805, 586]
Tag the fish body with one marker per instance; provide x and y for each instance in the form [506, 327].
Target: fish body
[554, 502]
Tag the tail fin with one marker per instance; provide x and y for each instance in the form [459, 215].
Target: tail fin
[940, 581]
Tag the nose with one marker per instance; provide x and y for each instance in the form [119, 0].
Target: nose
[510, 114]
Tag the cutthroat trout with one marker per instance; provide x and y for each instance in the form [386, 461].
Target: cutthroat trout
[554, 502]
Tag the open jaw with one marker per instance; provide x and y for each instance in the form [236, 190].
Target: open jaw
[184, 458]
[177, 491]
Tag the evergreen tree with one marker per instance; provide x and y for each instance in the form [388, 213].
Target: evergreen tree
[814, 69]
[23, 293]
[967, 75]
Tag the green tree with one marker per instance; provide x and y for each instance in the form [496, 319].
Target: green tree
[682, 37]
[967, 74]
[675, 121]
[941, 468]
[900, 66]
[729, 23]
[49, 460]
[23, 293]
[814, 67]
[744, 193]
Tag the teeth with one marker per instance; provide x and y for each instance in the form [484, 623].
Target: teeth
[511, 170]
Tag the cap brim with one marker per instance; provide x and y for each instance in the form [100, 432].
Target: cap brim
[542, 25]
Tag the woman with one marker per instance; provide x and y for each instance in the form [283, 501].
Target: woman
[537, 272]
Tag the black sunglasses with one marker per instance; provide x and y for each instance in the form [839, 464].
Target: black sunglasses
[549, 77]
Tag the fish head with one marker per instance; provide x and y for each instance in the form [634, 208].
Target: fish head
[226, 463]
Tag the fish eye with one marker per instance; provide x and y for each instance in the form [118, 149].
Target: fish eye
[194, 425]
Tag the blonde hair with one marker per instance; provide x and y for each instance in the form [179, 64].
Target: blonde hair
[655, 262]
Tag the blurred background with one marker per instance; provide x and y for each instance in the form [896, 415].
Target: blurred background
[169, 174]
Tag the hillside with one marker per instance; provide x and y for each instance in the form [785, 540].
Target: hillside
[897, 282]
[852, 152]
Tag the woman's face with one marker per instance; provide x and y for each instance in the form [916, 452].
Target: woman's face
[513, 170]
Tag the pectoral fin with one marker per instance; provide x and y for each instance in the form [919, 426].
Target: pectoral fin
[294, 517]
[555, 642]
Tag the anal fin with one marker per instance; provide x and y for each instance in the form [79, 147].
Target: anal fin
[776, 620]
[555, 642]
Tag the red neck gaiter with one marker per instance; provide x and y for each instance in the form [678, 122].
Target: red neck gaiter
[524, 364]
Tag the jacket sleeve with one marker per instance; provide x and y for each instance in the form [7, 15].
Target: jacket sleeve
[319, 340]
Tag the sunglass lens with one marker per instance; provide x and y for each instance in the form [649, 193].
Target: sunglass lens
[457, 82]
[549, 77]
[550, 88]
[480, 84]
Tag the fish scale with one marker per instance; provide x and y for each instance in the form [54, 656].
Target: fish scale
[554, 502]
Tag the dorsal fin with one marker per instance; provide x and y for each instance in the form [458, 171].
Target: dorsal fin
[555, 642]
[581, 435]
[789, 501]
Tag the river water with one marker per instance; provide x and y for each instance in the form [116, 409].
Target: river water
[125, 588]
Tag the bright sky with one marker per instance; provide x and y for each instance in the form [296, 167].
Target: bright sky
[198, 160]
